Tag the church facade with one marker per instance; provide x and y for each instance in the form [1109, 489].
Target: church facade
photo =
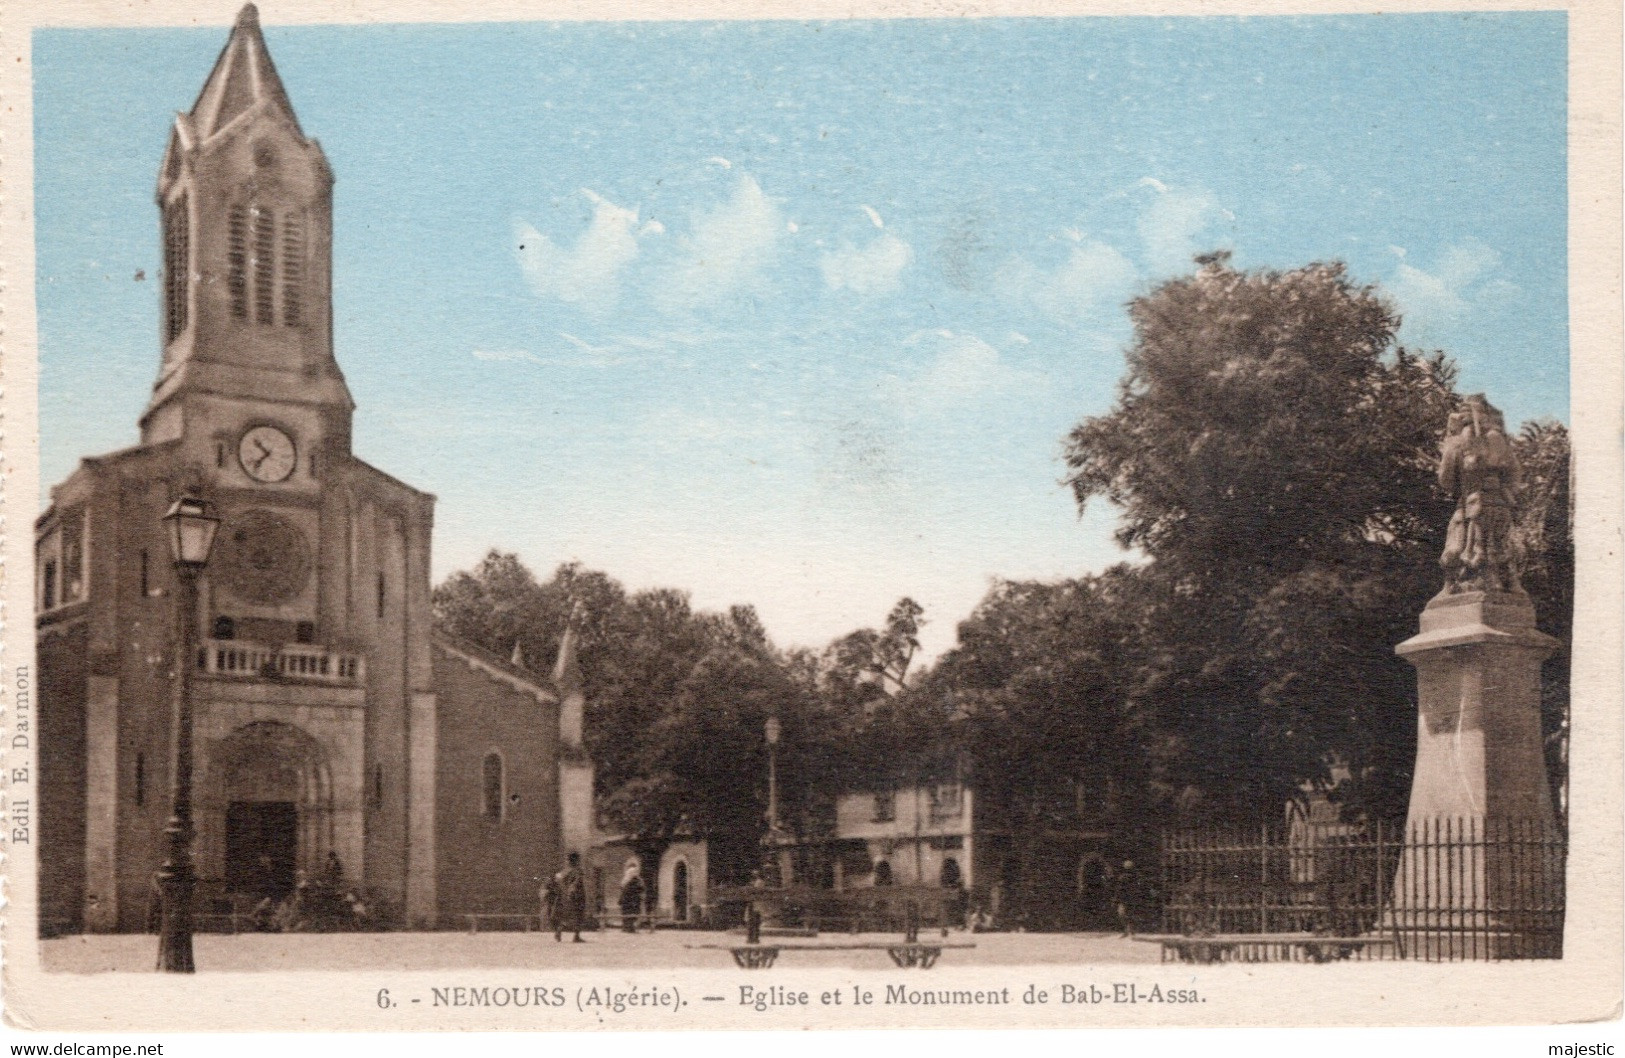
[331, 719]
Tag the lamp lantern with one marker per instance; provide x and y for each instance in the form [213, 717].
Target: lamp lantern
[192, 527]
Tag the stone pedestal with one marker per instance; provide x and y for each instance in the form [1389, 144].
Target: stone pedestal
[1482, 866]
[1478, 743]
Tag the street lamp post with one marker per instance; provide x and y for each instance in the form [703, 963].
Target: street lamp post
[772, 734]
[777, 845]
[191, 527]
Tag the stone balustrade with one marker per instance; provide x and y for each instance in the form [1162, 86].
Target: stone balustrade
[293, 662]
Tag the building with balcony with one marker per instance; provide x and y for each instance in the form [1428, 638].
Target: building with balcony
[331, 720]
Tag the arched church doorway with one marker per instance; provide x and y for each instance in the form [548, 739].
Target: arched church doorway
[679, 891]
[273, 794]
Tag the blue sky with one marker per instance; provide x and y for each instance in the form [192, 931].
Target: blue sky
[798, 314]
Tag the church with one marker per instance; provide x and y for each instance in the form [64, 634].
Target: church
[333, 726]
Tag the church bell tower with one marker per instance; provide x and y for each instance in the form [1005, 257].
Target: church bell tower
[312, 685]
[246, 206]
[338, 741]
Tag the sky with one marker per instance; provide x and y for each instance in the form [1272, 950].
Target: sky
[800, 314]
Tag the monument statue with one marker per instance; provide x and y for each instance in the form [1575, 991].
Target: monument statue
[1477, 465]
[1479, 788]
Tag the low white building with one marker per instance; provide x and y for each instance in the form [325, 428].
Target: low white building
[676, 882]
[1058, 873]
[909, 835]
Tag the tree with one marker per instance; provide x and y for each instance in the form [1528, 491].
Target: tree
[879, 660]
[882, 733]
[676, 700]
[1272, 452]
[500, 605]
[1545, 533]
[1044, 726]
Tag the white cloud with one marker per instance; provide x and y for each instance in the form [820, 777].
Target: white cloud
[963, 369]
[966, 365]
[1176, 226]
[588, 272]
[1094, 277]
[873, 269]
[727, 248]
[1462, 278]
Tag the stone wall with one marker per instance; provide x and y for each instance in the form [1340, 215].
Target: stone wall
[493, 861]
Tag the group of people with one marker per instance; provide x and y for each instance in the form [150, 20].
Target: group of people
[564, 900]
[309, 907]
[325, 904]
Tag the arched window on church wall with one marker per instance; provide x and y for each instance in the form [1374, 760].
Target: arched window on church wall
[491, 803]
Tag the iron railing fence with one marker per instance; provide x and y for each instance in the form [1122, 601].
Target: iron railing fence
[1439, 890]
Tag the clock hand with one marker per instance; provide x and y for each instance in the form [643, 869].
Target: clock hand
[265, 453]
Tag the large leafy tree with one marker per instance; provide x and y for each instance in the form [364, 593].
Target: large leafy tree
[501, 606]
[1043, 723]
[1272, 452]
[677, 700]
[880, 730]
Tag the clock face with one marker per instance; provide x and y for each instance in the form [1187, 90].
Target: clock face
[266, 453]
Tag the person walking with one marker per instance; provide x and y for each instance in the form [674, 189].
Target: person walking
[632, 889]
[572, 901]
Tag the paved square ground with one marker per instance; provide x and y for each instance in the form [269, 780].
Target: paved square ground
[662, 949]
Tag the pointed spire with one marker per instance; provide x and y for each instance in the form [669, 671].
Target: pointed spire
[567, 680]
[243, 78]
[567, 672]
[518, 659]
